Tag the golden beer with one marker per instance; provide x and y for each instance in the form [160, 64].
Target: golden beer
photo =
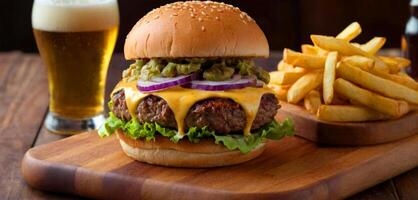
[75, 39]
[77, 65]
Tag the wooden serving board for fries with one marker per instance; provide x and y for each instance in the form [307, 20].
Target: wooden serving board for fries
[348, 134]
[293, 168]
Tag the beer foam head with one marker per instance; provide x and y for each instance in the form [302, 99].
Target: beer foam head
[74, 15]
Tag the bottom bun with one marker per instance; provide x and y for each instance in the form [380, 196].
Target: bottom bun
[184, 154]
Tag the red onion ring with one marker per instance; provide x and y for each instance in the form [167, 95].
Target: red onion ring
[221, 85]
[161, 83]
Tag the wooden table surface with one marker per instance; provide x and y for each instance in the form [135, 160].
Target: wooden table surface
[24, 104]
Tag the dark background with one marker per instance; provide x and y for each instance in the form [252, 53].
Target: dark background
[286, 23]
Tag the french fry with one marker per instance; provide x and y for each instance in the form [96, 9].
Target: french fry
[303, 85]
[283, 66]
[406, 76]
[299, 69]
[313, 50]
[335, 44]
[280, 91]
[348, 113]
[285, 77]
[350, 32]
[396, 61]
[392, 63]
[309, 49]
[383, 67]
[356, 45]
[397, 78]
[329, 77]
[371, 100]
[354, 82]
[303, 60]
[388, 60]
[374, 45]
[402, 62]
[312, 101]
[375, 83]
[359, 61]
[347, 49]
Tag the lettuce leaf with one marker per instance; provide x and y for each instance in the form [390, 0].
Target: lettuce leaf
[111, 124]
[276, 131]
[245, 144]
[195, 134]
[272, 130]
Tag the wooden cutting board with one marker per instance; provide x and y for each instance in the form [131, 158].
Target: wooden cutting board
[348, 134]
[293, 168]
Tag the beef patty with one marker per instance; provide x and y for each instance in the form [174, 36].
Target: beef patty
[218, 114]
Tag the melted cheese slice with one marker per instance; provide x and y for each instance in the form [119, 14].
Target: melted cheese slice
[180, 100]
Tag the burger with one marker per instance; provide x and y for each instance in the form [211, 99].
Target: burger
[193, 96]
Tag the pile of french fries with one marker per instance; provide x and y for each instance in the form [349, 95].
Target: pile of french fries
[342, 81]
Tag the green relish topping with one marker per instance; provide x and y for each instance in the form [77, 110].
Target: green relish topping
[213, 69]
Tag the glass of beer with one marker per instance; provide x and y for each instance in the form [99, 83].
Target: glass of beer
[75, 39]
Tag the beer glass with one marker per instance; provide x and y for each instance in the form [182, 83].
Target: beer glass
[75, 39]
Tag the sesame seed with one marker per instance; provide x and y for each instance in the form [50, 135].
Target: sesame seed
[203, 28]
[199, 9]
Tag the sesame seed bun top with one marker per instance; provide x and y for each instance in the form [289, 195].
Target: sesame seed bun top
[196, 29]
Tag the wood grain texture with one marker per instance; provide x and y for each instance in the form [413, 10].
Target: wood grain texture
[292, 168]
[27, 192]
[351, 134]
[45, 136]
[383, 191]
[407, 185]
[24, 101]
